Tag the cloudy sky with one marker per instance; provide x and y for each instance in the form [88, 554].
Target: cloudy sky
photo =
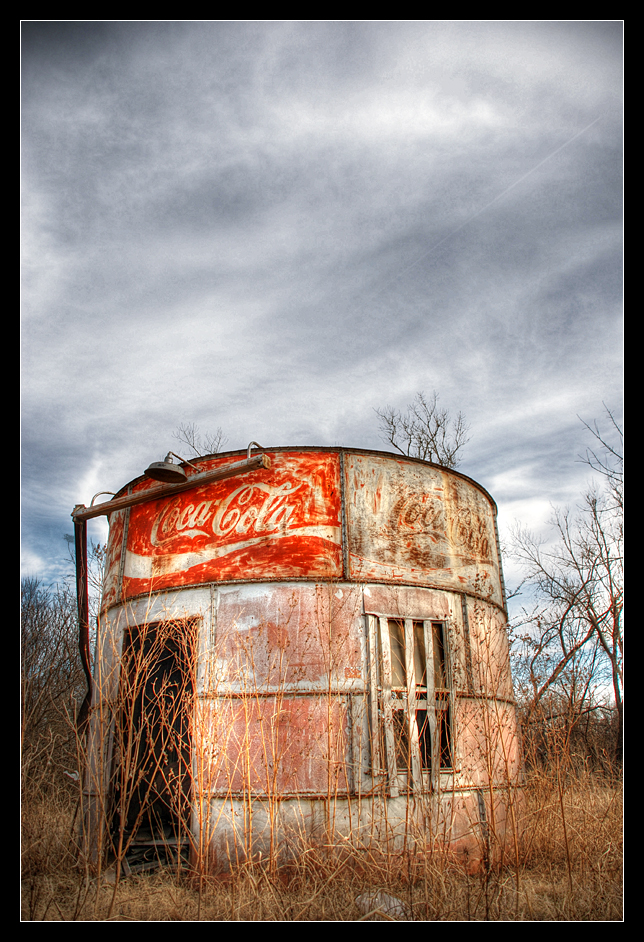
[278, 226]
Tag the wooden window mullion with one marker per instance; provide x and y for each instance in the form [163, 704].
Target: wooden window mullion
[390, 739]
[412, 725]
[431, 702]
[377, 765]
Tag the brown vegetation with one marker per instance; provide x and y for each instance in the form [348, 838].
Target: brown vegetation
[570, 869]
[567, 868]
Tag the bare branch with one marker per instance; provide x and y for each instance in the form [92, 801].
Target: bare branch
[425, 431]
[188, 434]
[576, 638]
[610, 461]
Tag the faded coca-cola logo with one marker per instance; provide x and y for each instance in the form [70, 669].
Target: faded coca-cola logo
[469, 533]
[420, 515]
[250, 509]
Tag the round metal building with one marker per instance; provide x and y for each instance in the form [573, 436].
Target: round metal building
[306, 644]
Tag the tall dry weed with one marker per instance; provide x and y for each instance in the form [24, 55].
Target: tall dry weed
[565, 864]
[579, 882]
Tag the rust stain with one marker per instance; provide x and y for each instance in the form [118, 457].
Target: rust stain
[273, 635]
[419, 524]
[274, 745]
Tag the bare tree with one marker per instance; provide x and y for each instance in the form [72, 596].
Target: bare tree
[575, 635]
[610, 460]
[96, 558]
[425, 431]
[52, 678]
[211, 444]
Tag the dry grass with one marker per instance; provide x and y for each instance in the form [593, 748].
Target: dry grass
[570, 870]
[569, 867]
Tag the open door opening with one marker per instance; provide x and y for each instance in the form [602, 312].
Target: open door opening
[152, 780]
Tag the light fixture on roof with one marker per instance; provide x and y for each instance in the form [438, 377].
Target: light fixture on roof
[167, 471]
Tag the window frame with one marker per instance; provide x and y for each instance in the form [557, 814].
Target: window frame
[385, 699]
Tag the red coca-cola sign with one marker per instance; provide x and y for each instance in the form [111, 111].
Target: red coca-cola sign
[280, 522]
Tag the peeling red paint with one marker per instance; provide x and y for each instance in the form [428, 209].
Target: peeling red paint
[282, 522]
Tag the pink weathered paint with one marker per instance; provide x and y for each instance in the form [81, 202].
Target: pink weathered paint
[276, 746]
[294, 574]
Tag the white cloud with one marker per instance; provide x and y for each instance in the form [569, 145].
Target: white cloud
[276, 227]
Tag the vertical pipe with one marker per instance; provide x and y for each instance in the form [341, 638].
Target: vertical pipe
[82, 597]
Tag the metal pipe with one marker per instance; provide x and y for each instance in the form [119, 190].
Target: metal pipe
[182, 460]
[82, 598]
[250, 445]
[80, 512]
[98, 494]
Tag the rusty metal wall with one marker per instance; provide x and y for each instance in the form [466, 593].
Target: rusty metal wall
[412, 523]
[285, 570]
[407, 522]
[276, 710]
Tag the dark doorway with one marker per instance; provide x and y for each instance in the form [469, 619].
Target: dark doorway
[152, 767]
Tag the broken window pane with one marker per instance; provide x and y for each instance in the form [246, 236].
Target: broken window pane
[416, 709]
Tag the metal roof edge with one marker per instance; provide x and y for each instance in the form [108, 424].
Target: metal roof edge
[335, 449]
